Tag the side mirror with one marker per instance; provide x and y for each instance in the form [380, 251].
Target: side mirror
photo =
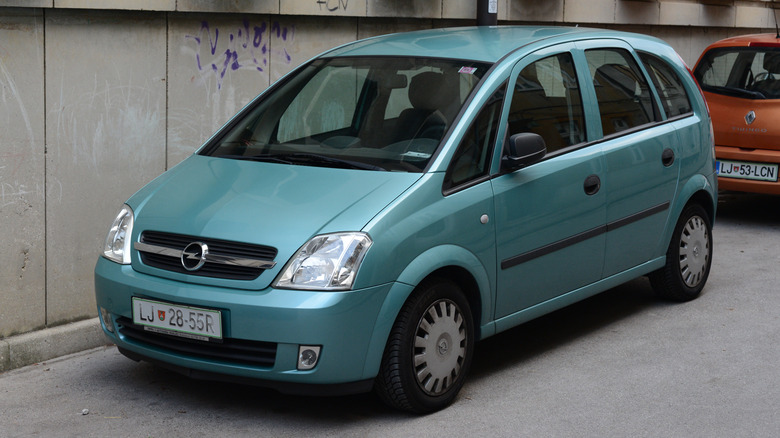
[523, 150]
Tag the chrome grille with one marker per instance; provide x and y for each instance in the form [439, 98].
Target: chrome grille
[226, 259]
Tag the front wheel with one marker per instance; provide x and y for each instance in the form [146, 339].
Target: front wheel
[429, 350]
[688, 258]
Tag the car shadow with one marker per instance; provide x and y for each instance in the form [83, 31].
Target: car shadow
[753, 208]
[248, 402]
[561, 327]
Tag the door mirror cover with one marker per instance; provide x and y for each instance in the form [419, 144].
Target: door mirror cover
[523, 150]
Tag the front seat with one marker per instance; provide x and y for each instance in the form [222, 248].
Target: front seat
[430, 94]
[769, 86]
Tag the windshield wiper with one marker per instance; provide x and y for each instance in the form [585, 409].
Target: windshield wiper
[316, 159]
[266, 158]
[306, 159]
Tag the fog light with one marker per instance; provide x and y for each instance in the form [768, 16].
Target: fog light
[308, 355]
[108, 323]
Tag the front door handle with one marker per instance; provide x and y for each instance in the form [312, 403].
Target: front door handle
[592, 185]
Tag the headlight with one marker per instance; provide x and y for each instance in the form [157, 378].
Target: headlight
[117, 246]
[326, 262]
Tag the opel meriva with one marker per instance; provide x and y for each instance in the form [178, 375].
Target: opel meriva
[373, 214]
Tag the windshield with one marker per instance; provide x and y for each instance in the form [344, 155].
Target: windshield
[362, 113]
[750, 73]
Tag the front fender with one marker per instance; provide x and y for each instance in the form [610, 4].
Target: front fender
[440, 257]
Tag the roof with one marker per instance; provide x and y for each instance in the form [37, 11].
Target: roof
[747, 40]
[487, 43]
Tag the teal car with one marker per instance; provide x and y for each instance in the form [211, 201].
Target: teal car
[372, 215]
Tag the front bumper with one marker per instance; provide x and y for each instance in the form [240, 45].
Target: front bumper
[349, 326]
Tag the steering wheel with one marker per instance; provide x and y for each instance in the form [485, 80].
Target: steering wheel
[763, 76]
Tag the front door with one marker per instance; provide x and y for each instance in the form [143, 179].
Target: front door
[550, 216]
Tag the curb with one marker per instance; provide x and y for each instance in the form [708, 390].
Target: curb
[38, 346]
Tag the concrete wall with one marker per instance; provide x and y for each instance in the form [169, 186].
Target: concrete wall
[97, 97]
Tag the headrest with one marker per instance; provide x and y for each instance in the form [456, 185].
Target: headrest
[431, 91]
[618, 76]
[772, 62]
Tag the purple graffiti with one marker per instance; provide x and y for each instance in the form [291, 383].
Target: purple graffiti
[247, 47]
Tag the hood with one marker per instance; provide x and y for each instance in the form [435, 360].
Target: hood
[276, 205]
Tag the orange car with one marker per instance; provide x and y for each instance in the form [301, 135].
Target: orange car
[740, 78]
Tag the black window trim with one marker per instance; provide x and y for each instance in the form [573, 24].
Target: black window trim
[657, 92]
[634, 55]
[587, 144]
[452, 189]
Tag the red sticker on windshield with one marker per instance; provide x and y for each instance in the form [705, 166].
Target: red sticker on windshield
[467, 70]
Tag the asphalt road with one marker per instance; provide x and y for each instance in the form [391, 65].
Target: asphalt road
[621, 364]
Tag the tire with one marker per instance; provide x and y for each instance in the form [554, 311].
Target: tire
[688, 258]
[429, 351]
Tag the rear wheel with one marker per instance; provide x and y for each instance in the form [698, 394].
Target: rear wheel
[688, 258]
[429, 350]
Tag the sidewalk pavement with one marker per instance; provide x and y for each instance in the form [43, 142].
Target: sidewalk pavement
[38, 346]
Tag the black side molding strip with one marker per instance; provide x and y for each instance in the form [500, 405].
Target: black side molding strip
[585, 235]
[614, 225]
[555, 246]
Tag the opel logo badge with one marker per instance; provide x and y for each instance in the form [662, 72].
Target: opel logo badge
[194, 256]
[750, 117]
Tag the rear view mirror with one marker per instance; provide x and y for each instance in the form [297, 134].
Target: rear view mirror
[523, 150]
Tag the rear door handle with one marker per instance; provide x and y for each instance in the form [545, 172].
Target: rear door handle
[592, 185]
[667, 157]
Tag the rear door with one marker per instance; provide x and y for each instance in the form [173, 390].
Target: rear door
[641, 156]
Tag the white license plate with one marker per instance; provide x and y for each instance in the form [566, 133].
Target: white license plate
[743, 170]
[183, 321]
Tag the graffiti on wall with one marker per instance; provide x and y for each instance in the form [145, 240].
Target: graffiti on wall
[249, 46]
[332, 5]
[12, 159]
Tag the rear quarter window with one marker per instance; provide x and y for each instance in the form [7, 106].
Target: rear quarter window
[667, 82]
[622, 92]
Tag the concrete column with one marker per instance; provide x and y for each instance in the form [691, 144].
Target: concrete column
[105, 134]
[22, 183]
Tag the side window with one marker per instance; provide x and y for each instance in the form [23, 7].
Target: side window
[546, 101]
[670, 88]
[473, 156]
[716, 67]
[622, 92]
